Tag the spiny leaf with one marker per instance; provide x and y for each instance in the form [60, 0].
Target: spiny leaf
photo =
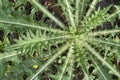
[102, 60]
[95, 19]
[101, 71]
[64, 48]
[41, 7]
[30, 40]
[8, 54]
[70, 53]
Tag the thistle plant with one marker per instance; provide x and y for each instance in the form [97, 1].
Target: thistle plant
[57, 50]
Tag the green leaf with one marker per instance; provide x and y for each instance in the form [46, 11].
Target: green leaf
[101, 71]
[62, 50]
[102, 60]
[31, 41]
[8, 54]
[45, 11]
